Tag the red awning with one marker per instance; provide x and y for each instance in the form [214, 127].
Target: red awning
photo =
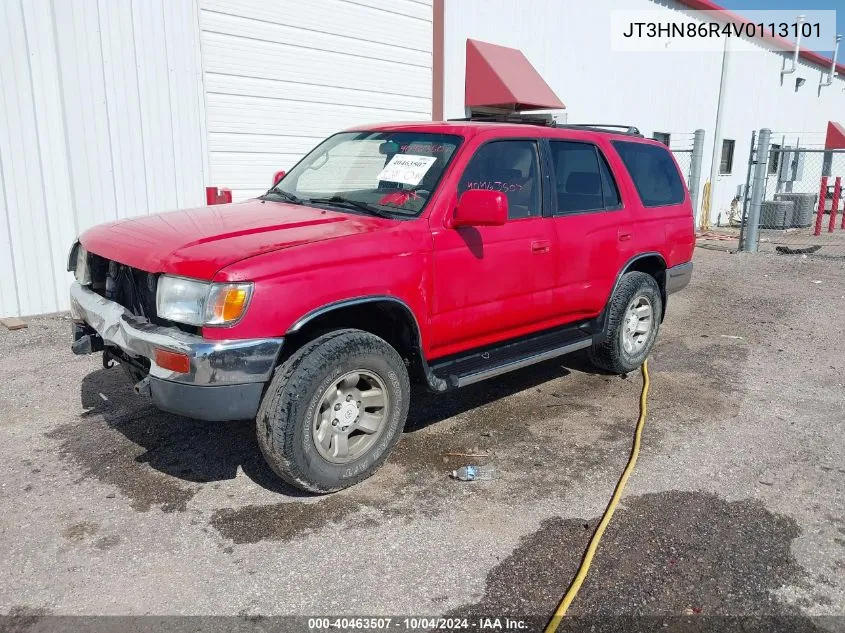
[835, 138]
[501, 77]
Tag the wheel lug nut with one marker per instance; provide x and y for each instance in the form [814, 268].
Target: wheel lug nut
[334, 422]
[349, 398]
[337, 407]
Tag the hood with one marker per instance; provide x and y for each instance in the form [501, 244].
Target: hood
[199, 242]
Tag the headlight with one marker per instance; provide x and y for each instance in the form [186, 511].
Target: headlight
[201, 303]
[78, 264]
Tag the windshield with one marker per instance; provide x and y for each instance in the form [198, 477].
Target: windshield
[380, 172]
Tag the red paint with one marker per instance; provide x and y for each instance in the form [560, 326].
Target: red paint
[780, 42]
[466, 287]
[200, 242]
[835, 137]
[820, 213]
[497, 76]
[480, 207]
[834, 207]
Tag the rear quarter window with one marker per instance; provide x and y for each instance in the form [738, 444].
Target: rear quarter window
[654, 173]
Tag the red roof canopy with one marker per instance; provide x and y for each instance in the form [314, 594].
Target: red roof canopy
[502, 77]
[835, 138]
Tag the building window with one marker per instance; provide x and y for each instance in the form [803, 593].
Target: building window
[774, 158]
[726, 165]
[663, 137]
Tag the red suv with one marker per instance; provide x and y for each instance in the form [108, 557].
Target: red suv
[443, 253]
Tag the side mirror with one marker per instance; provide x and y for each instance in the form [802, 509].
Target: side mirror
[278, 176]
[481, 207]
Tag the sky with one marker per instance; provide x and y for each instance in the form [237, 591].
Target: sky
[821, 5]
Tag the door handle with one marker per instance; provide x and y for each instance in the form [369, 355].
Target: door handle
[541, 246]
[624, 237]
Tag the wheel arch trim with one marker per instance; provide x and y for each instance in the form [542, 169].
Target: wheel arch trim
[434, 383]
[354, 301]
[627, 268]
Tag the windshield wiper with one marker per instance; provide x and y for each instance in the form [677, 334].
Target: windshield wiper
[351, 204]
[282, 194]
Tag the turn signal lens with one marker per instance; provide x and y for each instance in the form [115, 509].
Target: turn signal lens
[174, 361]
[227, 303]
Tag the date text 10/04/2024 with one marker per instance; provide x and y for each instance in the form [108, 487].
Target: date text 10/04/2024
[417, 624]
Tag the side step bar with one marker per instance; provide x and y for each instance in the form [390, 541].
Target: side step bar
[477, 365]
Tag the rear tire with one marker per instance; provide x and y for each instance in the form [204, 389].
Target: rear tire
[333, 411]
[633, 320]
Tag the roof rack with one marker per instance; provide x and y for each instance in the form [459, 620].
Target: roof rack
[604, 127]
[548, 120]
[512, 117]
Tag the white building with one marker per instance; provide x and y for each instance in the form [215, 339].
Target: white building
[126, 107]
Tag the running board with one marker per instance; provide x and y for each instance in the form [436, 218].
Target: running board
[481, 364]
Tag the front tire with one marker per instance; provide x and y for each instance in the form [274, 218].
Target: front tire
[333, 411]
[633, 320]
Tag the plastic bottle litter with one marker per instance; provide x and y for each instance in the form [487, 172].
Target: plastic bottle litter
[474, 473]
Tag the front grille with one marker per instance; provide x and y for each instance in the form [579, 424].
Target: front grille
[132, 288]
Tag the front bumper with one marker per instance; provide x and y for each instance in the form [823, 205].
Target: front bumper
[226, 378]
[677, 277]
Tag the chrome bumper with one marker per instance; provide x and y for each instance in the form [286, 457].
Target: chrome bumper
[213, 363]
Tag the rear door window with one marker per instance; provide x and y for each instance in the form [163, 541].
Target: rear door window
[653, 171]
[583, 181]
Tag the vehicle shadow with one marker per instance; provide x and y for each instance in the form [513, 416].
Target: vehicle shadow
[205, 452]
[428, 408]
[190, 450]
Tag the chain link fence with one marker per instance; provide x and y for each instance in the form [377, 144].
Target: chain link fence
[681, 145]
[794, 205]
[688, 149]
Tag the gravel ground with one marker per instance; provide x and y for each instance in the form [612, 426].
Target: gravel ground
[110, 507]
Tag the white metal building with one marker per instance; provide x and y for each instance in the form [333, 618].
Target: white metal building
[114, 108]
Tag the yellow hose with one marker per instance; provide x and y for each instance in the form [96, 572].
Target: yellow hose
[570, 594]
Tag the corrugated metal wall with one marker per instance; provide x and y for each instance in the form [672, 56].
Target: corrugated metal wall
[281, 76]
[101, 117]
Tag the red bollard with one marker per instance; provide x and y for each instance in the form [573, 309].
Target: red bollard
[837, 192]
[820, 215]
[834, 207]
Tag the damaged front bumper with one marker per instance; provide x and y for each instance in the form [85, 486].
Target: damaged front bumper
[226, 378]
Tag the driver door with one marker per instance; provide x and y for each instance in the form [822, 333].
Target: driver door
[495, 282]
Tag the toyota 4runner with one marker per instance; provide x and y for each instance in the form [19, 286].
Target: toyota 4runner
[440, 253]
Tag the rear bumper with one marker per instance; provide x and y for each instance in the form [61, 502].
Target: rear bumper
[225, 379]
[677, 277]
